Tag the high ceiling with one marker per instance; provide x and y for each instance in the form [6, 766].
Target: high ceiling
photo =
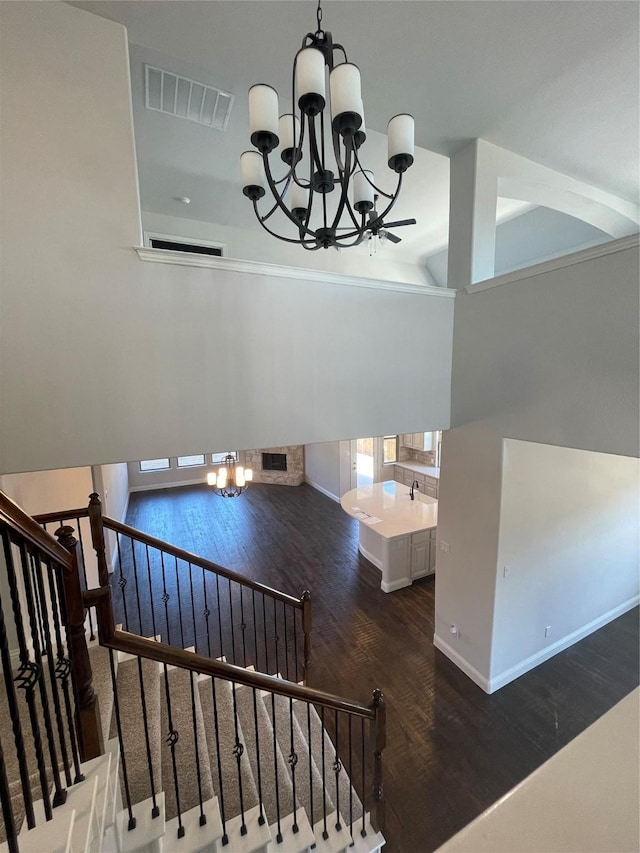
[554, 81]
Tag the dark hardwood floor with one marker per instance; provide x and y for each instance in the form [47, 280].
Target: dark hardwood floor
[452, 750]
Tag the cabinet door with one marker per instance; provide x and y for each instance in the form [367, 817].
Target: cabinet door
[420, 559]
[431, 491]
[408, 477]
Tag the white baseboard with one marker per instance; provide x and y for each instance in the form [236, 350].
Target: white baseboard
[324, 491]
[462, 663]
[369, 556]
[152, 487]
[498, 681]
[394, 585]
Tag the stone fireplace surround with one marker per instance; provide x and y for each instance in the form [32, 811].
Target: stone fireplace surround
[293, 476]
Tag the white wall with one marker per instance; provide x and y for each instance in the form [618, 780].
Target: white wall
[553, 359]
[322, 467]
[107, 358]
[569, 535]
[112, 484]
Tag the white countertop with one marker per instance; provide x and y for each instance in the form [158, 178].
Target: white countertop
[390, 502]
[429, 470]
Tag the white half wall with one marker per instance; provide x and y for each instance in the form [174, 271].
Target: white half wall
[322, 467]
[108, 358]
[551, 358]
[568, 545]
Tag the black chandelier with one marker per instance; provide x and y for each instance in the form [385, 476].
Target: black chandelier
[303, 148]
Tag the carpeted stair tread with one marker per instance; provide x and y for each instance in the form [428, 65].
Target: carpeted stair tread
[229, 796]
[179, 681]
[268, 761]
[305, 786]
[344, 786]
[132, 721]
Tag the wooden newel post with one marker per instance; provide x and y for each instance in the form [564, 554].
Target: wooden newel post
[97, 537]
[379, 743]
[305, 598]
[87, 710]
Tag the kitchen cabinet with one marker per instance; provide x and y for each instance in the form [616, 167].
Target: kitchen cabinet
[419, 440]
[423, 554]
[426, 485]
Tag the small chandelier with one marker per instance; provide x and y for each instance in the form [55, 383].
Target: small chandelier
[308, 179]
[231, 480]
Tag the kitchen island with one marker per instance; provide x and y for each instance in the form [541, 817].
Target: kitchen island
[397, 534]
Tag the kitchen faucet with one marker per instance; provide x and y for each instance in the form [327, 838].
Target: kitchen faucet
[417, 486]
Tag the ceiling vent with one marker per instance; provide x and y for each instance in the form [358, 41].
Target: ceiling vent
[179, 96]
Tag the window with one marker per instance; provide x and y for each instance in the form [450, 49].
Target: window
[154, 465]
[218, 458]
[390, 449]
[190, 461]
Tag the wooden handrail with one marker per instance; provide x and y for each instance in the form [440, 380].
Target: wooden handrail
[49, 517]
[188, 557]
[20, 522]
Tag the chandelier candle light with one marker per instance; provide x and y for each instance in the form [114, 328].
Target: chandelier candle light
[300, 138]
[231, 480]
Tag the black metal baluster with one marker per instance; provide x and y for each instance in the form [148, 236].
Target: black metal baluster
[325, 834]
[207, 613]
[219, 615]
[193, 609]
[243, 628]
[276, 638]
[309, 741]
[63, 671]
[123, 759]
[92, 635]
[179, 604]
[155, 810]
[266, 642]
[275, 768]
[225, 837]
[122, 583]
[255, 630]
[165, 598]
[363, 831]
[286, 642]
[194, 718]
[60, 795]
[350, 778]
[14, 713]
[172, 740]
[295, 644]
[7, 808]
[293, 761]
[337, 767]
[261, 819]
[151, 604]
[232, 624]
[41, 605]
[134, 566]
[238, 750]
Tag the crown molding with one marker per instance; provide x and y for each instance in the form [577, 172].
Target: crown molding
[162, 256]
[590, 253]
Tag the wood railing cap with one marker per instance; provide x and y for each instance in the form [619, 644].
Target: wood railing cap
[18, 520]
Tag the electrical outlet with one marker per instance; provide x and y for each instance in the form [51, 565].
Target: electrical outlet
[444, 546]
[547, 630]
[506, 572]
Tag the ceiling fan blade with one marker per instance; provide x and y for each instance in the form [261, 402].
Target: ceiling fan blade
[389, 236]
[399, 223]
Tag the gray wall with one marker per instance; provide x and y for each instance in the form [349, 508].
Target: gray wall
[551, 359]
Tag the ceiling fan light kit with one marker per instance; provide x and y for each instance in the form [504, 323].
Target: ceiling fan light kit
[326, 121]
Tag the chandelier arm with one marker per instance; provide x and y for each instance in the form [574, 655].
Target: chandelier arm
[361, 230]
[275, 206]
[313, 142]
[344, 180]
[368, 180]
[378, 222]
[353, 218]
[276, 195]
[300, 242]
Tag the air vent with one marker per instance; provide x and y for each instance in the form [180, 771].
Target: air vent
[179, 96]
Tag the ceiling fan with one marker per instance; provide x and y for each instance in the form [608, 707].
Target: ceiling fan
[381, 229]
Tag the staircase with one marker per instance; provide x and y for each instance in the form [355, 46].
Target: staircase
[199, 754]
